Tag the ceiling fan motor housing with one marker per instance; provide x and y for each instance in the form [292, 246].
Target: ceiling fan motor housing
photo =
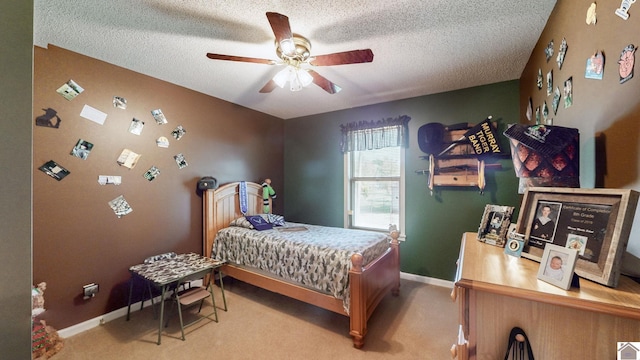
[299, 51]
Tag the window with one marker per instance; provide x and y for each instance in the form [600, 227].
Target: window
[374, 173]
[375, 188]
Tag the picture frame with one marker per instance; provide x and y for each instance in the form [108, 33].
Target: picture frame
[557, 265]
[495, 223]
[595, 222]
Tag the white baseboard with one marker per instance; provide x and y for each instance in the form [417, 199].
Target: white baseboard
[105, 318]
[427, 280]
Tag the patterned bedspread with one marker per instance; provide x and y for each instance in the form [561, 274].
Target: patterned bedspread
[316, 257]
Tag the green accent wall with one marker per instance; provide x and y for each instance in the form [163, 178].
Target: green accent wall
[314, 173]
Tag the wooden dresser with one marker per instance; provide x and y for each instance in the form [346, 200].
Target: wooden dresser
[497, 292]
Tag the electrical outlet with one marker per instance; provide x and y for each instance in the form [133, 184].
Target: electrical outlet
[90, 290]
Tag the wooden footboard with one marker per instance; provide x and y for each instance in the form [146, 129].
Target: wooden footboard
[368, 284]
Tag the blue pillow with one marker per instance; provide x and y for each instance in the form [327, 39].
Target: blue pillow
[259, 223]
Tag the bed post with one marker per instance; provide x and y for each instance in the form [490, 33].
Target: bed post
[358, 311]
[209, 224]
[395, 247]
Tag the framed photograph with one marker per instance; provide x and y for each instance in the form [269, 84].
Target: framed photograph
[557, 265]
[594, 222]
[495, 224]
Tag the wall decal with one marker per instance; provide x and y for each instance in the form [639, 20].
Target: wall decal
[159, 116]
[622, 11]
[162, 142]
[548, 51]
[136, 126]
[556, 100]
[568, 92]
[128, 158]
[119, 102]
[93, 114]
[561, 53]
[181, 161]
[591, 14]
[70, 90]
[120, 206]
[626, 62]
[46, 119]
[550, 82]
[595, 66]
[82, 149]
[540, 79]
[178, 132]
[54, 170]
[152, 173]
[109, 179]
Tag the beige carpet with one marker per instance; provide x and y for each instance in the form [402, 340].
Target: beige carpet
[419, 324]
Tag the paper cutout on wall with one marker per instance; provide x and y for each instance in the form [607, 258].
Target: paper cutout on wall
[159, 116]
[568, 92]
[152, 173]
[46, 119]
[136, 126]
[70, 90]
[128, 158]
[623, 10]
[548, 51]
[54, 170]
[595, 66]
[591, 14]
[119, 102]
[93, 114]
[626, 62]
[539, 80]
[561, 53]
[550, 82]
[162, 142]
[181, 161]
[82, 149]
[178, 132]
[120, 206]
[556, 100]
[109, 179]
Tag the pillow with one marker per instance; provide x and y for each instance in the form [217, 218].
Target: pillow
[276, 220]
[241, 222]
[259, 223]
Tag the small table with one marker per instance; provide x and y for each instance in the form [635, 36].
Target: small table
[162, 273]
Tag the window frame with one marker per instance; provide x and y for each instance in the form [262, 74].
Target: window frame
[349, 199]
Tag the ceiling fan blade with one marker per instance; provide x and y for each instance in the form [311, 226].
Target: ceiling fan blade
[324, 83]
[343, 58]
[241, 59]
[282, 31]
[268, 87]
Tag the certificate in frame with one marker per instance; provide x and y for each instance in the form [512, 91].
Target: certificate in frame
[595, 222]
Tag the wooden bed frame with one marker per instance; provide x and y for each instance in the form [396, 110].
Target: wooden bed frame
[368, 284]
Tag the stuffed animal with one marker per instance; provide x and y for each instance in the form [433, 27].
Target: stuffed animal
[37, 299]
[45, 342]
[267, 192]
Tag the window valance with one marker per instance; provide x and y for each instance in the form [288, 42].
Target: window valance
[375, 134]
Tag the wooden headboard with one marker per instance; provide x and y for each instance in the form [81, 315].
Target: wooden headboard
[222, 205]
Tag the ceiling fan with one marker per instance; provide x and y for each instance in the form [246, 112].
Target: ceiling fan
[294, 51]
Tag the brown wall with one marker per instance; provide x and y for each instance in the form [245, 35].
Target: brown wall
[602, 109]
[77, 238]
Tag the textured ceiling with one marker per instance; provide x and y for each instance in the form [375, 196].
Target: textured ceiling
[420, 46]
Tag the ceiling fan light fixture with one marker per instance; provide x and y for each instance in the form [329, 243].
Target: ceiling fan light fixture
[288, 47]
[282, 77]
[298, 78]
